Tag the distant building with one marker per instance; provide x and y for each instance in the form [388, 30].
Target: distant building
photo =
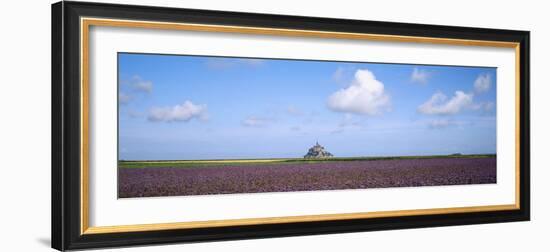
[317, 151]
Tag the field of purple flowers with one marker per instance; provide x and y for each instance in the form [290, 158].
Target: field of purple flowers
[281, 177]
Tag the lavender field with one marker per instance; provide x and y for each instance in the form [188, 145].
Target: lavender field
[170, 179]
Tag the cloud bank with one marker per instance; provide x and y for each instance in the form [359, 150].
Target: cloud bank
[482, 83]
[124, 98]
[365, 96]
[179, 113]
[419, 76]
[138, 84]
[439, 104]
[133, 88]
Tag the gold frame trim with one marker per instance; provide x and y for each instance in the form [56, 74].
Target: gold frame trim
[85, 24]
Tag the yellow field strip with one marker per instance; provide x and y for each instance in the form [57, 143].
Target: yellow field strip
[211, 161]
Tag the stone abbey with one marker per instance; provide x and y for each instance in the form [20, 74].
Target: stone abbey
[317, 151]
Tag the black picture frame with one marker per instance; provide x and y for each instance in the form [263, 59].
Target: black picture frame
[66, 124]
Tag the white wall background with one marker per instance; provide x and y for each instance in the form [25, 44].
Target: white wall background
[25, 125]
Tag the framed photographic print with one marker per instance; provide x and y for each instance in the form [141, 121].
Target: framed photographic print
[181, 125]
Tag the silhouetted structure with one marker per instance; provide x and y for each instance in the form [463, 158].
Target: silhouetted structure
[317, 151]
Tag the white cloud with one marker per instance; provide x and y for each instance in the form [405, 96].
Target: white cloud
[484, 106]
[439, 104]
[124, 98]
[488, 106]
[145, 86]
[419, 76]
[178, 113]
[482, 83]
[342, 74]
[364, 96]
[339, 75]
[136, 83]
[253, 121]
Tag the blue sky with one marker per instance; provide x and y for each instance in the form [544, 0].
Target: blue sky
[193, 107]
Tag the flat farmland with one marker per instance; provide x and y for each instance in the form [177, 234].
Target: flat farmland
[202, 177]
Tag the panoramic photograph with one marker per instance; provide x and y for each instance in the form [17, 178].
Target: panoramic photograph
[203, 125]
